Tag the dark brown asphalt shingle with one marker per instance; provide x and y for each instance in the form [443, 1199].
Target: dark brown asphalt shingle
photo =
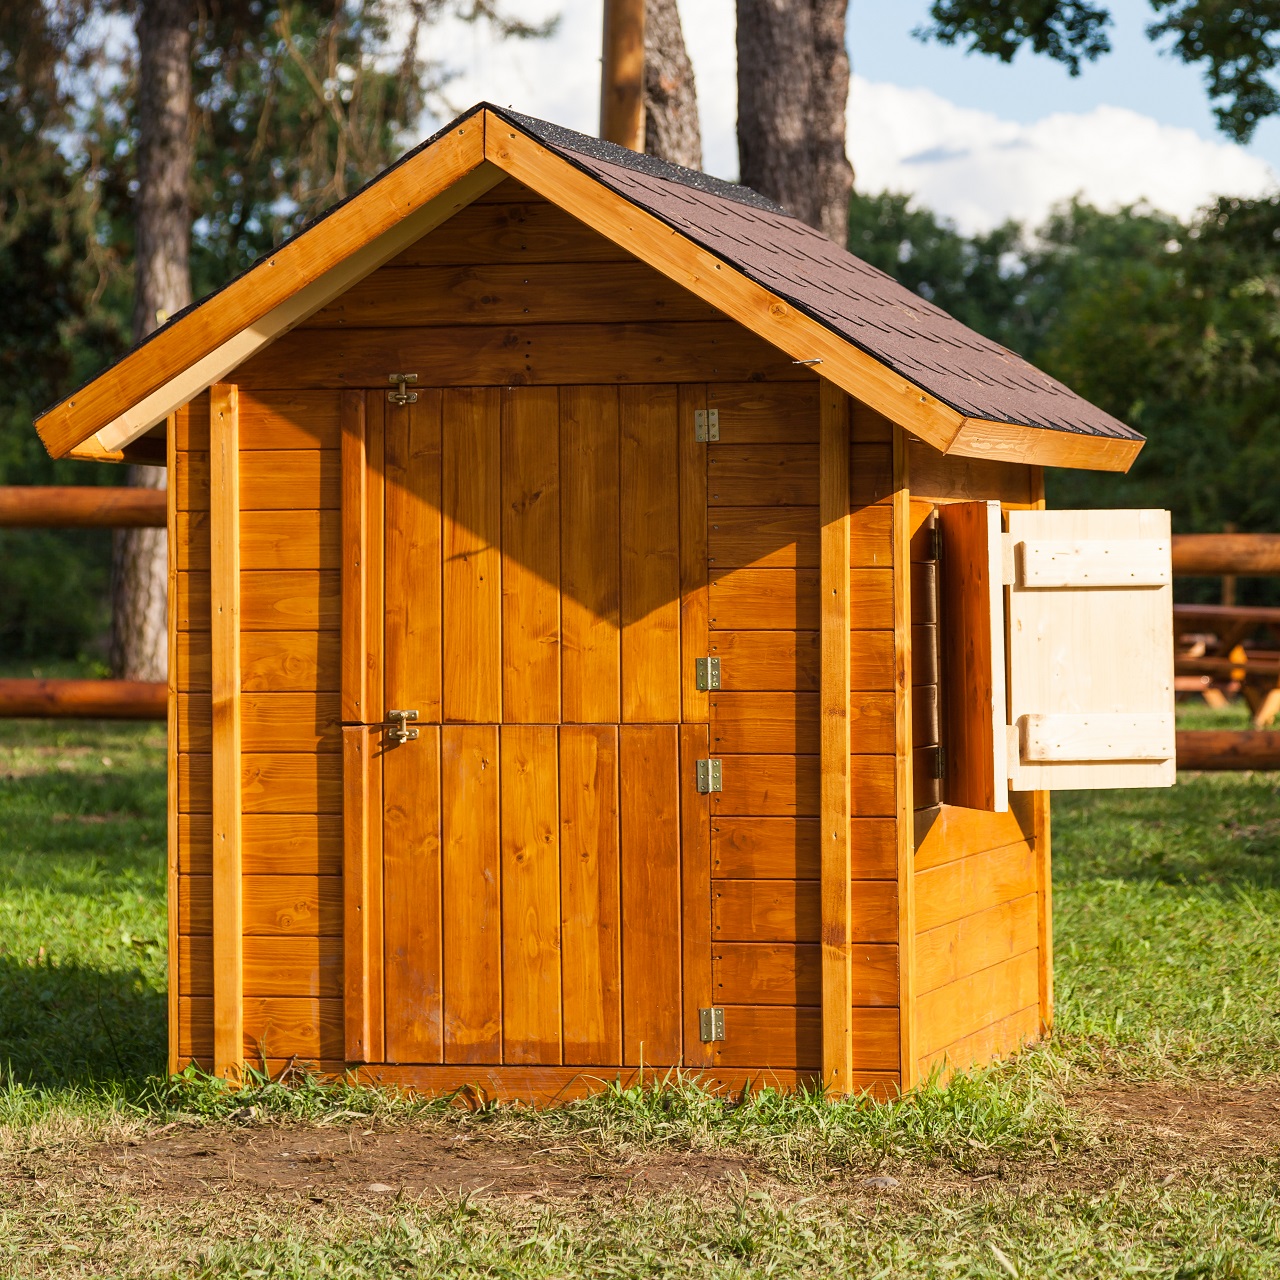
[862, 304]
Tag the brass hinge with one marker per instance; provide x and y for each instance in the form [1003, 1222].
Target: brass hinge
[400, 395]
[709, 777]
[706, 674]
[711, 1025]
[706, 424]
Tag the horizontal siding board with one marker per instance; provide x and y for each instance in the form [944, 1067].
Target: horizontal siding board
[953, 951]
[764, 785]
[947, 1014]
[288, 600]
[269, 722]
[518, 355]
[270, 480]
[791, 974]
[982, 880]
[272, 783]
[754, 414]
[766, 1036]
[270, 420]
[268, 540]
[274, 906]
[767, 661]
[272, 966]
[270, 661]
[274, 1026]
[950, 833]
[789, 911]
[270, 844]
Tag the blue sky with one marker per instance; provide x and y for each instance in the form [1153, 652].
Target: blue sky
[975, 139]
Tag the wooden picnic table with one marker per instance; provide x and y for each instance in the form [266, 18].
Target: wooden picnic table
[1221, 642]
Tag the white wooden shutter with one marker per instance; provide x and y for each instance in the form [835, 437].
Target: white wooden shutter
[1089, 638]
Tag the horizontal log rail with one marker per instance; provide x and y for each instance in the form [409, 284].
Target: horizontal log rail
[1230, 554]
[30, 506]
[83, 699]
[1228, 749]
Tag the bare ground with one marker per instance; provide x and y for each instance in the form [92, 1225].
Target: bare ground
[1156, 1134]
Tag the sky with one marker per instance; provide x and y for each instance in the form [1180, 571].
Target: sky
[975, 140]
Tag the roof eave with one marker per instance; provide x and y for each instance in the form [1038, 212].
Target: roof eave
[206, 343]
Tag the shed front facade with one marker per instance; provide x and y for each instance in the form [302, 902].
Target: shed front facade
[564, 676]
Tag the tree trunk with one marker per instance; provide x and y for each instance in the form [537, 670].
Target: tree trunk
[793, 89]
[671, 130]
[139, 578]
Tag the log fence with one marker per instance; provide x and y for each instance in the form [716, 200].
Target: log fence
[82, 507]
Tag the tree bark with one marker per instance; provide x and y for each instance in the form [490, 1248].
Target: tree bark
[139, 586]
[671, 130]
[793, 90]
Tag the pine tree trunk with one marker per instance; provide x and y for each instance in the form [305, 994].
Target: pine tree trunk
[139, 578]
[793, 89]
[671, 130]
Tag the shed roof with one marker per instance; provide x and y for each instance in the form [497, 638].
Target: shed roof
[957, 390]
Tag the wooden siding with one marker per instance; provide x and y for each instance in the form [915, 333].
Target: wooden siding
[979, 883]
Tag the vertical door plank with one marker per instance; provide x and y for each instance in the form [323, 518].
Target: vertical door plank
[531, 556]
[355, 568]
[413, 556]
[649, 763]
[375, 558]
[589, 553]
[412, 908]
[695, 875]
[224, 587]
[173, 851]
[650, 511]
[359, 904]
[472, 578]
[834, 739]
[472, 886]
[530, 895]
[904, 796]
[592, 981]
[1043, 836]
[695, 607]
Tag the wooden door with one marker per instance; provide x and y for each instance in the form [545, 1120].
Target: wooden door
[543, 846]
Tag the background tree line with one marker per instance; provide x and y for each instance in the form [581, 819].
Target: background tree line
[152, 149]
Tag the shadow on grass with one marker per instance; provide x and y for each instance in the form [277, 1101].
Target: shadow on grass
[74, 1024]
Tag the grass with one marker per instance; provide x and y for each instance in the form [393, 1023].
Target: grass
[1167, 915]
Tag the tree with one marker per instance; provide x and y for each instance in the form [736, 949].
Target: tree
[162, 267]
[671, 130]
[1237, 43]
[793, 90]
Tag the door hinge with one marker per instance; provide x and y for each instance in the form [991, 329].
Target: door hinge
[706, 424]
[400, 395]
[706, 674]
[711, 1025]
[939, 762]
[708, 776]
[935, 541]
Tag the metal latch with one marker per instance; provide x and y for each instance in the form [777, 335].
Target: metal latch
[706, 424]
[706, 674]
[400, 395]
[711, 1025]
[708, 776]
[398, 724]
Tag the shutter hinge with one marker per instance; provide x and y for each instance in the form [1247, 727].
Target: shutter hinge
[939, 762]
[935, 541]
[709, 777]
[710, 1025]
[706, 674]
[706, 424]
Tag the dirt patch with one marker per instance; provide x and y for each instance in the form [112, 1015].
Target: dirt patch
[323, 1163]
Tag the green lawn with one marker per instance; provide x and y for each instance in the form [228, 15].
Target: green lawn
[1167, 909]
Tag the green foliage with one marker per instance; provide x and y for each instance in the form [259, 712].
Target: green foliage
[1238, 44]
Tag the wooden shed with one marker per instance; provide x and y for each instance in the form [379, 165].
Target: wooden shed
[610, 626]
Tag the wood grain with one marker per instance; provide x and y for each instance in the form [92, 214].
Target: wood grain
[697, 986]
[695, 605]
[290, 600]
[531, 556]
[270, 480]
[952, 951]
[790, 911]
[268, 539]
[649, 813]
[471, 452]
[762, 475]
[764, 600]
[270, 420]
[763, 785]
[412, 904]
[274, 905]
[270, 661]
[650, 516]
[763, 538]
[268, 722]
[413, 556]
[958, 889]
[751, 413]
[226, 804]
[530, 826]
[589, 894]
[589, 555]
[766, 661]
[363, 990]
[789, 973]
[273, 843]
[273, 783]
[472, 886]
[272, 966]
[951, 1012]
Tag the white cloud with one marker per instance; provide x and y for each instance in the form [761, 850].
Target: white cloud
[978, 169]
[970, 166]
